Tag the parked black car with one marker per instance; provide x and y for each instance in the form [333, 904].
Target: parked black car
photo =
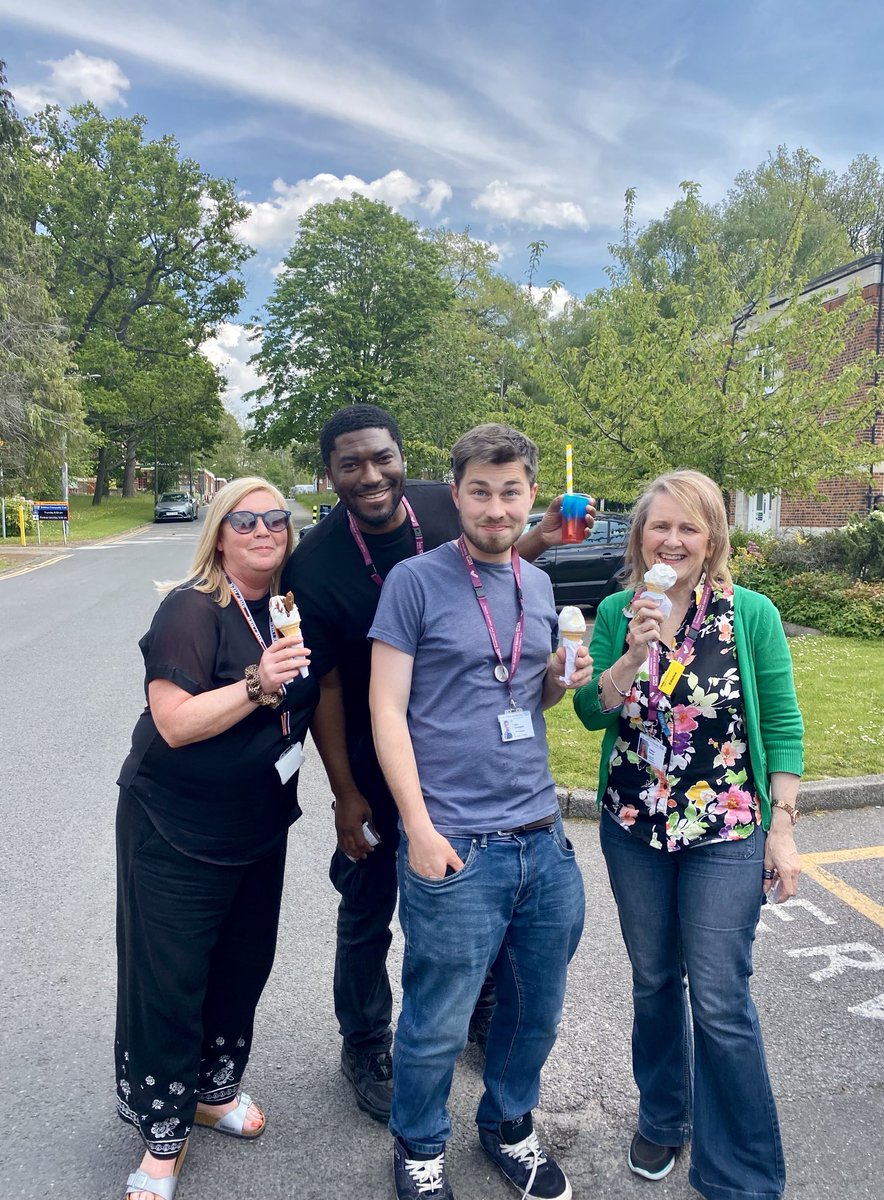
[175, 506]
[584, 574]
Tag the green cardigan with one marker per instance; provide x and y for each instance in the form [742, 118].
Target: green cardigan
[773, 722]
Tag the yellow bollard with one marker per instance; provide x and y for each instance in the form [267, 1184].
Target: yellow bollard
[21, 526]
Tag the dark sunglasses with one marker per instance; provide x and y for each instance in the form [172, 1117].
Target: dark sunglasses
[243, 521]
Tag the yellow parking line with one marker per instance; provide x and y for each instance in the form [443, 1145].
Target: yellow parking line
[47, 562]
[833, 856]
[812, 866]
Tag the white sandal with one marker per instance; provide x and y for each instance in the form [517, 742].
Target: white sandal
[233, 1122]
[140, 1181]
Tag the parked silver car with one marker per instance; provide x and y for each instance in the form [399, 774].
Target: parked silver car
[175, 506]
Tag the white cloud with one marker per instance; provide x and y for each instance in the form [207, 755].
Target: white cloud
[551, 299]
[230, 351]
[531, 206]
[73, 79]
[275, 222]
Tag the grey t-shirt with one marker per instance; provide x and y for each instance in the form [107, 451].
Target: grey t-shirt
[472, 781]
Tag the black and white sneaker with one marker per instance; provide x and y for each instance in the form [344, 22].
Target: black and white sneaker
[419, 1178]
[514, 1147]
[650, 1160]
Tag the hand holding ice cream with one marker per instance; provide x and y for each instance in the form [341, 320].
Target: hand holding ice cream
[287, 620]
[572, 629]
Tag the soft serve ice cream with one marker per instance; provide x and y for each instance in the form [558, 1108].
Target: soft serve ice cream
[658, 580]
[286, 619]
[572, 629]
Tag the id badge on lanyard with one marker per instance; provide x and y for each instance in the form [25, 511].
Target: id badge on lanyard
[515, 723]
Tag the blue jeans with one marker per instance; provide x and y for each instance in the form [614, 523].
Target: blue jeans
[693, 914]
[515, 907]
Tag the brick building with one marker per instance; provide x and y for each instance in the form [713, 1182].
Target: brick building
[861, 491]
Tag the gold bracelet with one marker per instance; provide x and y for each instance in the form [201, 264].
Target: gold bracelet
[791, 809]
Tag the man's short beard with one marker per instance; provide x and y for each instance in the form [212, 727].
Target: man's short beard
[379, 519]
[492, 543]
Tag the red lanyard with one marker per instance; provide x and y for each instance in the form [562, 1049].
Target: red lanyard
[244, 609]
[501, 672]
[679, 657]
[360, 540]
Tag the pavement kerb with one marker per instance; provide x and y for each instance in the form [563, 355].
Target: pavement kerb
[817, 795]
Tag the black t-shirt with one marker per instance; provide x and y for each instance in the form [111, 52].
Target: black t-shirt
[220, 800]
[337, 599]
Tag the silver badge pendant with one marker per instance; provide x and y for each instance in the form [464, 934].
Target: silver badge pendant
[501, 673]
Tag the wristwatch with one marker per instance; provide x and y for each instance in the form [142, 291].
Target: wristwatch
[255, 692]
[791, 809]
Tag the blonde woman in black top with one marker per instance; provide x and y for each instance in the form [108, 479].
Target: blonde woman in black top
[207, 795]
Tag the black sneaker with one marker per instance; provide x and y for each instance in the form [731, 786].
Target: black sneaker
[419, 1178]
[480, 1023]
[515, 1149]
[650, 1160]
[371, 1074]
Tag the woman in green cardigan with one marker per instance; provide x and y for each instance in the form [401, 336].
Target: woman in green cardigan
[698, 785]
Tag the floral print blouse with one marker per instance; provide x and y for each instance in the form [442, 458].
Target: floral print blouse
[703, 791]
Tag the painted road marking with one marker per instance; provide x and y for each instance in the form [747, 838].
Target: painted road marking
[814, 867]
[47, 562]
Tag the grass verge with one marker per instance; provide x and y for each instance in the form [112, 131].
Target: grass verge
[840, 685]
[308, 499]
[114, 515]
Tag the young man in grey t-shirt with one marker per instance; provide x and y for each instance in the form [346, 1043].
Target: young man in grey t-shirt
[461, 673]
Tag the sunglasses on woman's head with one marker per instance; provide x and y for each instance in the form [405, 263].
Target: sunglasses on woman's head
[243, 521]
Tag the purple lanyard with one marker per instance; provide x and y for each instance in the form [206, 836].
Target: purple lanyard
[360, 540]
[501, 673]
[244, 609]
[680, 656]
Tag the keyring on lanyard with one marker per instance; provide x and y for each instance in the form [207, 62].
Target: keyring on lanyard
[246, 612]
[677, 662]
[356, 534]
[501, 673]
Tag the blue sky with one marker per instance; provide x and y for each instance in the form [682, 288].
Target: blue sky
[523, 121]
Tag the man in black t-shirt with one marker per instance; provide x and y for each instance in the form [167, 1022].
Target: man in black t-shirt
[336, 575]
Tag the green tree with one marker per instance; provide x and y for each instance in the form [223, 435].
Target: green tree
[733, 385]
[40, 411]
[754, 226]
[856, 201]
[234, 455]
[358, 294]
[146, 263]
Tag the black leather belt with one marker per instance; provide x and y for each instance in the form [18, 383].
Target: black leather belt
[542, 823]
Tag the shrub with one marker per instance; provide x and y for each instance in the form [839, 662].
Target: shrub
[863, 542]
[12, 523]
[828, 601]
[818, 552]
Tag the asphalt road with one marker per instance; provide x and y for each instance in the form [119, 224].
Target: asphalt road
[72, 689]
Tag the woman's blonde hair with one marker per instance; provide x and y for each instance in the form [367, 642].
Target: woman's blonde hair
[206, 573]
[702, 500]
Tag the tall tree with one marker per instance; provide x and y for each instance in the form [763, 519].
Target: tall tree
[735, 386]
[146, 260]
[40, 412]
[856, 201]
[358, 294]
